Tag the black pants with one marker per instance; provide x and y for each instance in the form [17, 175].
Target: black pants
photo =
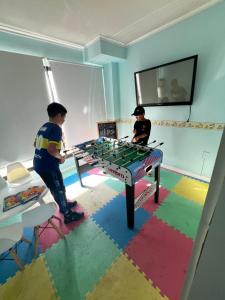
[54, 181]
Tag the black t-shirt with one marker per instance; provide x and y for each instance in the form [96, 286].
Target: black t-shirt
[142, 127]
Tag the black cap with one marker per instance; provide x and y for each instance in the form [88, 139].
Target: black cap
[139, 110]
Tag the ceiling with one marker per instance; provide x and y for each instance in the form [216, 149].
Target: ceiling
[79, 22]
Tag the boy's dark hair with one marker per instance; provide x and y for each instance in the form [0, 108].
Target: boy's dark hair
[55, 108]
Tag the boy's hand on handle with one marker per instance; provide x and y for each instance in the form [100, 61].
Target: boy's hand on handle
[135, 140]
[62, 159]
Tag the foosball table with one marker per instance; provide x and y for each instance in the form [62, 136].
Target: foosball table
[126, 161]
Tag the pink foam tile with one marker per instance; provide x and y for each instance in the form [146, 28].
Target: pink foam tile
[150, 204]
[49, 236]
[140, 186]
[162, 253]
[95, 171]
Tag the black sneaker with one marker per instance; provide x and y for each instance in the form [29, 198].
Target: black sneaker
[70, 205]
[73, 216]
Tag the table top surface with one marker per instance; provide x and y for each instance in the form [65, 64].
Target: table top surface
[11, 190]
[122, 154]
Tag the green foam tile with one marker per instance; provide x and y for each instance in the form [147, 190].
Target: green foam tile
[168, 179]
[69, 172]
[180, 213]
[116, 185]
[78, 262]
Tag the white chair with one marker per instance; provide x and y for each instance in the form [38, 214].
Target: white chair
[3, 183]
[40, 212]
[17, 174]
[9, 236]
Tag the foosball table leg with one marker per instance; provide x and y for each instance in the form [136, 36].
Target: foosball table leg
[157, 179]
[78, 171]
[130, 205]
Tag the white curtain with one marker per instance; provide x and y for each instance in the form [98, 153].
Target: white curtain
[80, 89]
[23, 103]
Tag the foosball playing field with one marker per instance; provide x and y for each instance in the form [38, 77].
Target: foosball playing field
[125, 161]
[123, 155]
[101, 258]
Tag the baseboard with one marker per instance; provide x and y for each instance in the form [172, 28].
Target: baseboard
[189, 174]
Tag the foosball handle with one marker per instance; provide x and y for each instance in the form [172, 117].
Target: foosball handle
[151, 142]
[160, 144]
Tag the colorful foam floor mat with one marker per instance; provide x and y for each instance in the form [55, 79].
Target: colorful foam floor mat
[100, 258]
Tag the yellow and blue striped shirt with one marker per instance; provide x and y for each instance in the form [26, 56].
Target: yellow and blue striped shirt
[49, 133]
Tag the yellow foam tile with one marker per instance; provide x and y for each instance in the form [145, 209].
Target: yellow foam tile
[95, 197]
[124, 282]
[192, 189]
[33, 283]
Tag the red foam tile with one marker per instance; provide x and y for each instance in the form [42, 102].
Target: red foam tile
[140, 186]
[150, 204]
[162, 253]
[50, 236]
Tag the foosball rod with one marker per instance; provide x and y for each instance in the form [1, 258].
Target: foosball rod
[123, 138]
[132, 152]
[138, 154]
[129, 146]
[160, 144]
[140, 143]
[79, 151]
[135, 149]
[97, 148]
[132, 160]
[117, 148]
[118, 141]
[118, 152]
[113, 149]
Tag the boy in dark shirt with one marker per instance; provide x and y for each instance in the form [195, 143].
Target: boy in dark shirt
[142, 127]
[47, 159]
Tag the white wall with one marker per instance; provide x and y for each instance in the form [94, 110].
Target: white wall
[205, 277]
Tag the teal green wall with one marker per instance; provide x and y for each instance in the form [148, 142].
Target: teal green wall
[23, 45]
[105, 51]
[113, 49]
[112, 94]
[202, 34]
[92, 50]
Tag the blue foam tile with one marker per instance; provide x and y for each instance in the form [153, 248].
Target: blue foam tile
[69, 163]
[112, 218]
[8, 268]
[73, 178]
